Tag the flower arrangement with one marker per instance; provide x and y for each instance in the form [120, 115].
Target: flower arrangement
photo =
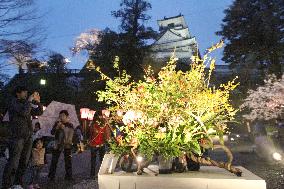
[171, 114]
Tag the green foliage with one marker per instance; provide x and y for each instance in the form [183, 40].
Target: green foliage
[174, 113]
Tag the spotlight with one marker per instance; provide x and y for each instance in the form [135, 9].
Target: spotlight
[139, 159]
[232, 139]
[276, 156]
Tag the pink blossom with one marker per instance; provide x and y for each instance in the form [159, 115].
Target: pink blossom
[266, 102]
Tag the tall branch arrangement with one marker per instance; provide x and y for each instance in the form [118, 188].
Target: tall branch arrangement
[171, 114]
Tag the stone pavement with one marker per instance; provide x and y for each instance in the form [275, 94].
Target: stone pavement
[243, 156]
[81, 172]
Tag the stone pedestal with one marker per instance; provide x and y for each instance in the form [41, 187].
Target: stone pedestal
[207, 178]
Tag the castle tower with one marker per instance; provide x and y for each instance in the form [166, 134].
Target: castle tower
[174, 35]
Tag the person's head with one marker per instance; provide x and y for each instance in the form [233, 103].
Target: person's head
[37, 126]
[38, 144]
[21, 92]
[63, 115]
[98, 115]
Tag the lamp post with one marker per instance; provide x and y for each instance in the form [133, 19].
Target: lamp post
[42, 87]
[42, 82]
[84, 116]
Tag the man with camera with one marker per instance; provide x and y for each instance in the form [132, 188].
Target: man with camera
[63, 131]
[20, 112]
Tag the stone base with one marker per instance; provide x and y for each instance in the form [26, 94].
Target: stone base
[207, 178]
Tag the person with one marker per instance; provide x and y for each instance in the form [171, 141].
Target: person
[38, 153]
[20, 111]
[99, 134]
[64, 137]
[36, 132]
[79, 140]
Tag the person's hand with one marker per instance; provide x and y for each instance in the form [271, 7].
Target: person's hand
[36, 96]
[31, 98]
[59, 125]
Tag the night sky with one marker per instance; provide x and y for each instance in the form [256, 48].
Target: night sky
[64, 20]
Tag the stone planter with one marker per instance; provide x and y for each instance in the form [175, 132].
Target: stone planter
[165, 165]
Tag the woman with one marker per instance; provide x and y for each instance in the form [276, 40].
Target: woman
[99, 135]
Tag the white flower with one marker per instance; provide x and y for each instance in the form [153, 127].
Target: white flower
[162, 129]
[211, 131]
[119, 113]
[129, 117]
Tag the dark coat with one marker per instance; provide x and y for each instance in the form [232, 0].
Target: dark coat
[20, 117]
[64, 138]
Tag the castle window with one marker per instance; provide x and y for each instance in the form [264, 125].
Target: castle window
[171, 25]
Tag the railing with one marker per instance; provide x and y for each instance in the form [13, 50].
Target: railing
[50, 71]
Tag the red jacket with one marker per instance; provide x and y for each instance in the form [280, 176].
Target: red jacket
[99, 135]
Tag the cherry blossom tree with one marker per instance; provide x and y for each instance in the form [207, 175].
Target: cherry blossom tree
[266, 102]
[87, 41]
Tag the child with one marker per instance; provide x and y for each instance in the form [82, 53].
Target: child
[36, 133]
[37, 162]
[79, 146]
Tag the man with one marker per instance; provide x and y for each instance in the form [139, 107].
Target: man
[64, 136]
[20, 111]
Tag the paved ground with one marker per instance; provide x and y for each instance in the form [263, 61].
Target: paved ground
[81, 171]
[272, 173]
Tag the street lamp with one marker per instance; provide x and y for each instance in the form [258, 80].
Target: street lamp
[42, 82]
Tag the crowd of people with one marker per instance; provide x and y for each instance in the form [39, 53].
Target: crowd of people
[26, 145]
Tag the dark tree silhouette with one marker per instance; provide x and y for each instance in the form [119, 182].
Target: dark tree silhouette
[253, 32]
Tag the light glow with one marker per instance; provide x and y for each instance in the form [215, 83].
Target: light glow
[139, 159]
[276, 156]
[42, 81]
[91, 114]
[84, 113]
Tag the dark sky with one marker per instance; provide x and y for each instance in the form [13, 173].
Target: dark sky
[66, 19]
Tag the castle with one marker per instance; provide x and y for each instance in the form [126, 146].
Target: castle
[174, 36]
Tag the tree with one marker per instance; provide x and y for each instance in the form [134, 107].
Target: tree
[130, 44]
[253, 30]
[56, 63]
[134, 34]
[20, 32]
[87, 41]
[19, 53]
[101, 47]
[266, 102]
